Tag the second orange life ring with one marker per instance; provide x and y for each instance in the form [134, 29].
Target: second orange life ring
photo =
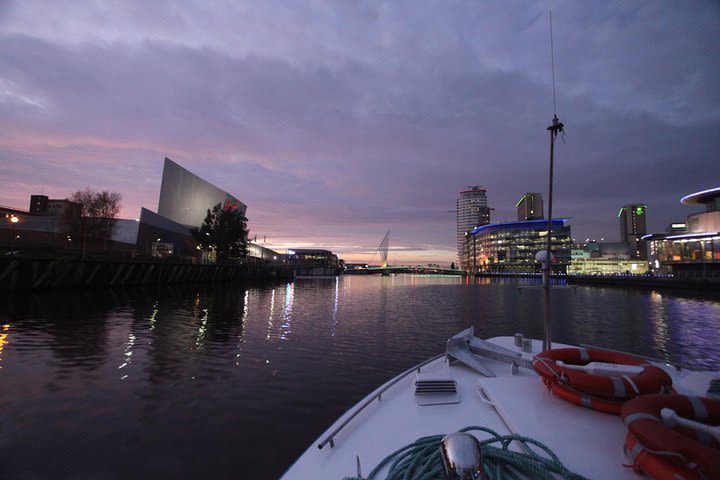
[662, 451]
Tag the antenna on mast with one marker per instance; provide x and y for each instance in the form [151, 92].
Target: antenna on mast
[552, 61]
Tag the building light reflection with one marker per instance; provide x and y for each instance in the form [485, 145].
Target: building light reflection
[127, 354]
[287, 311]
[658, 321]
[243, 321]
[153, 316]
[246, 307]
[272, 313]
[202, 331]
[3, 340]
[333, 326]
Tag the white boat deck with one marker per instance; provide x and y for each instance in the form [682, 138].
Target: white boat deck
[587, 442]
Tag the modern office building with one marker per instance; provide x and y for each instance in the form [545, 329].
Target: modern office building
[185, 197]
[512, 246]
[306, 262]
[604, 258]
[472, 211]
[530, 207]
[607, 266]
[633, 227]
[41, 205]
[694, 253]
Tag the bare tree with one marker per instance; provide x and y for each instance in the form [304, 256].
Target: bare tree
[97, 213]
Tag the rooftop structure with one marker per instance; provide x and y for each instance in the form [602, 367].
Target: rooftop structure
[709, 220]
[710, 198]
[530, 207]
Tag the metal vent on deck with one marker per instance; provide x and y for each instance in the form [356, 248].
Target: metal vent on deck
[714, 388]
[436, 391]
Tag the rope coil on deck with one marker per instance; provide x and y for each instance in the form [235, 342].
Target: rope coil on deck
[421, 460]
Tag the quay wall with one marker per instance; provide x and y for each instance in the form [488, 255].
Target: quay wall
[685, 283]
[650, 281]
[18, 274]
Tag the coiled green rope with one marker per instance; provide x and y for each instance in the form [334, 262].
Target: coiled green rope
[421, 460]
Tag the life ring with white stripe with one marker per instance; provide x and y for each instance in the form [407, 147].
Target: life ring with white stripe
[655, 466]
[601, 392]
[677, 452]
[578, 398]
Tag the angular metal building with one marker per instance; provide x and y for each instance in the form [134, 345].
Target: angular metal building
[185, 197]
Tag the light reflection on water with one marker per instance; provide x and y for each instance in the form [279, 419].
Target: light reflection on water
[181, 382]
[3, 340]
[658, 322]
[287, 311]
[687, 330]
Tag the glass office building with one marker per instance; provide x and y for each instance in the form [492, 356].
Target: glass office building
[511, 247]
[694, 253]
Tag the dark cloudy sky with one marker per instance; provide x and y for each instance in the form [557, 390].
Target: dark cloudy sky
[338, 121]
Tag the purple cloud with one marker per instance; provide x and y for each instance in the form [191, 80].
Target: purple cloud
[337, 122]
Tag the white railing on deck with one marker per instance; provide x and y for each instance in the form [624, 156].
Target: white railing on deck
[330, 438]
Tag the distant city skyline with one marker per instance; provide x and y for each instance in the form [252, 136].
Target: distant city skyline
[335, 123]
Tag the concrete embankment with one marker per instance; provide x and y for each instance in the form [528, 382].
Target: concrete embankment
[35, 274]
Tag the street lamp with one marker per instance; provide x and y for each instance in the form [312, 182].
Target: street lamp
[13, 219]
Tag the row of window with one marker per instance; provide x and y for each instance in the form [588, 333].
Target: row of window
[693, 250]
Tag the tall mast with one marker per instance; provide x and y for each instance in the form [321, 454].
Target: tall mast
[554, 129]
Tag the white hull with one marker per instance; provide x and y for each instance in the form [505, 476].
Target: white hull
[587, 442]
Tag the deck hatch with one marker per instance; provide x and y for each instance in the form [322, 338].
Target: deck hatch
[436, 391]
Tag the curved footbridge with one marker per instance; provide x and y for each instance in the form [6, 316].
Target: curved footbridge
[420, 270]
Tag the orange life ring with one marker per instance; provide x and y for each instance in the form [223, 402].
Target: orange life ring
[654, 466]
[679, 447]
[652, 379]
[585, 400]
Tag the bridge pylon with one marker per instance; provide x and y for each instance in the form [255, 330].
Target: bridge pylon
[383, 249]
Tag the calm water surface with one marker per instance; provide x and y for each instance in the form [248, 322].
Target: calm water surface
[235, 382]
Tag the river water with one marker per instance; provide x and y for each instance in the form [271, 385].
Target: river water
[226, 381]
